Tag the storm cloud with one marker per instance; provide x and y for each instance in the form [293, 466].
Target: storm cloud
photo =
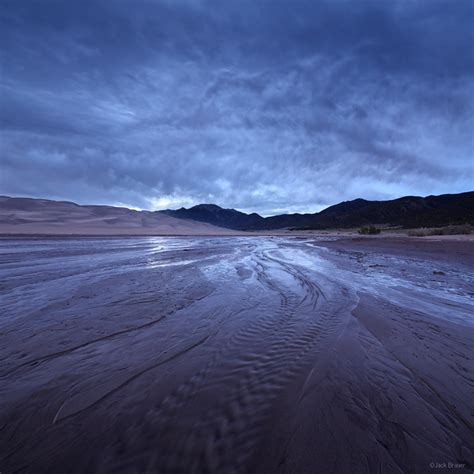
[266, 106]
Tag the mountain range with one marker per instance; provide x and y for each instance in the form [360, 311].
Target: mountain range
[43, 216]
[407, 212]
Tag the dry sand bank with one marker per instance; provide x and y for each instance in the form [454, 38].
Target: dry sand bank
[24, 216]
[268, 355]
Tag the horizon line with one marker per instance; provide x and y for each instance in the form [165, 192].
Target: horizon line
[137, 209]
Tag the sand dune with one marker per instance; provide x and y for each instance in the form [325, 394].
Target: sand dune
[41, 216]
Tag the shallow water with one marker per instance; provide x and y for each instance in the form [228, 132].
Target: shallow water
[230, 355]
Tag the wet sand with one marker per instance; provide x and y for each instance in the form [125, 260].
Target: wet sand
[236, 355]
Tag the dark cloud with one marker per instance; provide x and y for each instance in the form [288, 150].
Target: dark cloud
[270, 106]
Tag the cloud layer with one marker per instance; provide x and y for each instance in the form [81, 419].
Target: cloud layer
[268, 106]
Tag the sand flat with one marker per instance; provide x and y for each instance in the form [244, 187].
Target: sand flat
[236, 354]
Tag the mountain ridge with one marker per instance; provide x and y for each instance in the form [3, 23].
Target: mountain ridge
[406, 211]
[17, 213]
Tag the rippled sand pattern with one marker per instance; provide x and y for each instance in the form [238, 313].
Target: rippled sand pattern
[234, 355]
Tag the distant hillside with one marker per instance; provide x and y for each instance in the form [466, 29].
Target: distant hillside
[216, 215]
[41, 216]
[407, 212]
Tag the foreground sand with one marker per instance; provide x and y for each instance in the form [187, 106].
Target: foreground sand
[222, 355]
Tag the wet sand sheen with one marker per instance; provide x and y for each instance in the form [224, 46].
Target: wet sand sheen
[240, 355]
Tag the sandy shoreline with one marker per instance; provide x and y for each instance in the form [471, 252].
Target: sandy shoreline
[255, 354]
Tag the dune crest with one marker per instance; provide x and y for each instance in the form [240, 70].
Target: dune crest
[41, 216]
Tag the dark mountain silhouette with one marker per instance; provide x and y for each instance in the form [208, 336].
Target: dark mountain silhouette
[407, 212]
[19, 215]
[216, 215]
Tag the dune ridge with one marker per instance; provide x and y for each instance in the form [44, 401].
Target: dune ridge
[41, 216]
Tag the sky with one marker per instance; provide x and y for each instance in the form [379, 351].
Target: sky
[269, 106]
